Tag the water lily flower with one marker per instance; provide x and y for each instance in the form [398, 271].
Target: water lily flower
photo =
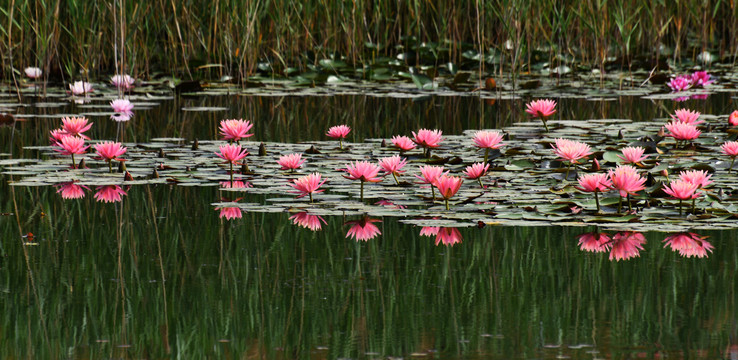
[235, 129]
[733, 118]
[627, 181]
[571, 151]
[308, 221]
[488, 140]
[594, 242]
[689, 244]
[682, 131]
[33, 72]
[110, 151]
[76, 126]
[541, 109]
[290, 162]
[80, 88]
[363, 171]
[701, 78]
[232, 153]
[70, 190]
[680, 83]
[428, 139]
[121, 106]
[448, 236]
[633, 155]
[476, 171]
[730, 148]
[71, 145]
[687, 116]
[363, 229]
[56, 135]
[392, 165]
[429, 174]
[109, 193]
[308, 185]
[403, 143]
[595, 183]
[123, 82]
[338, 132]
[682, 190]
[698, 177]
[626, 245]
[448, 186]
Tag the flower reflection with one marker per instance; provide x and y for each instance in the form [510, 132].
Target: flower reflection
[312, 222]
[595, 242]
[448, 236]
[230, 212]
[689, 244]
[363, 229]
[70, 190]
[389, 204]
[109, 193]
[429, 230]
[122, 116]
[626, 245]
[237, 184]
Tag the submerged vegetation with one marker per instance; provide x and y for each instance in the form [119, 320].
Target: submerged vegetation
[212, 39]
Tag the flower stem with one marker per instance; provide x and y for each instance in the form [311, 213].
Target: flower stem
[479, 180]
[486, 154]
[597, 200]
[680, 207]
[311, 197]
[74, 166]
[627, 197]
[110, 166]
[447, 208]
[340, 143]
[732, 160]
[362, 191]
[231, 172]
[566, 177]
[620, 205]
[396, 181]
[543, 118]
[433, 191]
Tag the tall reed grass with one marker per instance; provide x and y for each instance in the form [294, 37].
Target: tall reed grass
[231, 37]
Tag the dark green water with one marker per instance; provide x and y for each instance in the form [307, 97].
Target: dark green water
[160, 275]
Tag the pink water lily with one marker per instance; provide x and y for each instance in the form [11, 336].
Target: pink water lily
[71, 145]
[730, 148]
[33, 72]
[595, 183]
[680, 83]
[393, 165]
[682, 131]
[403, 143]
[70, 190]
[429, 174]
[339, 132]
[627, 181]
[682, 190]
[594, 242]
[235, 129]
[308, 185]
[687, 116]
[109, 193]
[363, 171]
[80, 88]
[428, 139]
[122, 106]
[701, 78]
[733, 118]
[110, 151]
[448, 186]
[476, 171]
[633, 155]
[290, 162]
[230, 212]
[541, 109]
[448, 236]
[626, 245]
[76, 126]
[487, 140]
[232, 153]
[123, 82]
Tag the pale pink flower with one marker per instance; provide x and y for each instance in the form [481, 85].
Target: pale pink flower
[733, 118]
[338, 131]
[682, 131]
[363, 229]
[122, 106]
[541, 108]
[698, 177]
[594, 183]
[308, 221]
[730, 148]
[448, 186]
[429, 174]
[362, 171]
[109, 193]
[428, 138]
[308, 185]
[626, 180]
[687, 116]
[72, 145]
[80, 88]
[570, 150]
[56, 135]
[76, 126]
[689, 244]
[235, 129]
[595, 242]
[476, 171]
[70, 190]
[701, 78]
[488, 139]
[633, 155]
[123, 82]
[626, 245]
[392, 165]
[232, 153]
[682, 190]
[109, 150]
[403, 143]
[230, 212]
[448, 236]
[680, 83]
[290, 162]
[33, 72]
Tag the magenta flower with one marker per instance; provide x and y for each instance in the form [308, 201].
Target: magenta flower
[428, 139]
[290, 162]
[71, 145]
[698, 177]
[80, 88]
[730, 148]
[595, 183]
[123, 82]
[448, 236]
[488, 140]
[363, 171]
[230, 212]
[308, 221]
[594, 242]
[633, 155]
[476, 171]
[689, 244]
[363, 229]
[682, 190]
[110, 151]
[70, 190]
[680, 83]
[109, 193]
[541, 109]
[76, 126]
[56, 135]
[626, 245]
[338, 132]
[235, 129]
[392, 165]
[448, 186]
[308, 185]
[733, 118]
[627, 181]
[701, 78]
[429, 174]
[33, 72]
[682, 131]
[232, 153]
[571, 151]
[403, 143]
[687, 116]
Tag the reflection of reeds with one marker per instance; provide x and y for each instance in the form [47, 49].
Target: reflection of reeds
[230, 37]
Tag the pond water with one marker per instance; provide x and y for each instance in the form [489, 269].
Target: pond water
[162, 272]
